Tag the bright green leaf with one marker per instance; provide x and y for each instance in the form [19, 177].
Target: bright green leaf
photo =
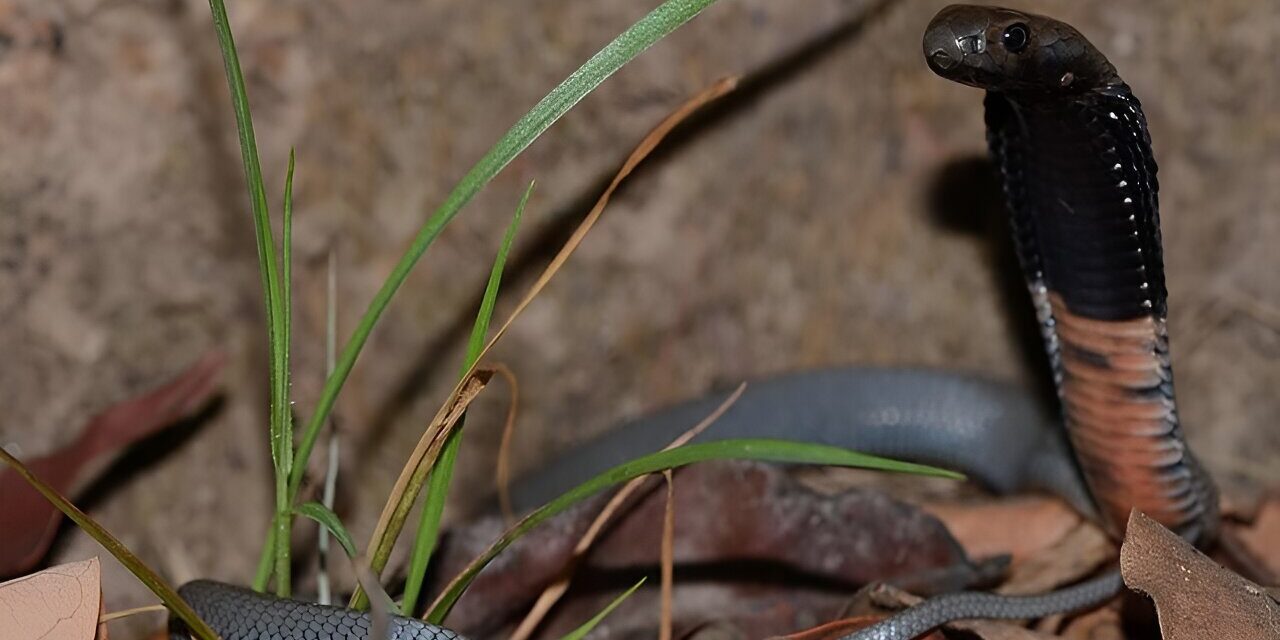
[329, 520]
[581, 632]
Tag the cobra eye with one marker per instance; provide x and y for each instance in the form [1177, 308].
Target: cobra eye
[1016, 37]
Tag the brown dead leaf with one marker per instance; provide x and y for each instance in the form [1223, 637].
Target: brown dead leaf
[1261, 536]
[1102, 624]
[728, 514]
[1079, 553]
[59, 603]
[1019, 526]
[554, 591]
[28, 522]
[1195, 597]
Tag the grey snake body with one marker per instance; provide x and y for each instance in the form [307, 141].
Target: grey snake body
[1074, 154]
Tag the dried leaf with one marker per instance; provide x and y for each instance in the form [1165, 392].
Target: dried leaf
[728, 512]
[28, 522]
[1021, 526]
[1261, 536]
[554, 591]
[1082, 551]
[1195, 597]
[59, 603]
[1103, 624]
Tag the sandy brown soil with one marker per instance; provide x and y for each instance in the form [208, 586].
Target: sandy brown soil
[797, 228]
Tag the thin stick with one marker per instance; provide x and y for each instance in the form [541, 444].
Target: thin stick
[502, 476]
[331, 472]
[668, 557]
[116, 615]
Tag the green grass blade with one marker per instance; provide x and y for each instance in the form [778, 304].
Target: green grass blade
[428, 534]
[640, 36]
[744, 449]
[154, 582]
[329, 520]
[581, 632]
[286, 298]
[480, 330]
[282, 418]
[281, 449]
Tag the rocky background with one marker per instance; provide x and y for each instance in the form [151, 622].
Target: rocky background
[837, 212]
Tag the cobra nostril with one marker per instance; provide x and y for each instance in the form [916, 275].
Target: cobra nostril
[942, 60]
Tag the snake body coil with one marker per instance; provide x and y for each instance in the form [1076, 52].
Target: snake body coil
[236, 613]
[1071, 143]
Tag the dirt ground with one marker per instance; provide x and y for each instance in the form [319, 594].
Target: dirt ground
[825, 216]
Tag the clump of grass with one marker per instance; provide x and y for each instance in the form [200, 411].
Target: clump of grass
[640, 36]
[291, 464]
[436, 456]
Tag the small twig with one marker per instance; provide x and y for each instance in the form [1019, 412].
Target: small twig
[502, 475]
[331, 472]
[668, 557]
[116, 615]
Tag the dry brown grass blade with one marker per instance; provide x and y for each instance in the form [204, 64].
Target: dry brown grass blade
[126, 613]
[502, 476]
[399, 502]
[668, 557]
[552, 594]
[642, 151]
[388, 529]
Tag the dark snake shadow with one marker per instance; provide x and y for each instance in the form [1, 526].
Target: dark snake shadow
[133, 463]
[964, 196]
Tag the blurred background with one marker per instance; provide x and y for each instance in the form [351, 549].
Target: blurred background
[837, 210]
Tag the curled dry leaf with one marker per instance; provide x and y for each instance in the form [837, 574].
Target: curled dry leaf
[59, 603]
[554, 591]
[745, 514]
[1020, 526]
[1195, 597]
[28, 522]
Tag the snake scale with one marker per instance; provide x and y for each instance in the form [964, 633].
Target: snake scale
[1073, 150]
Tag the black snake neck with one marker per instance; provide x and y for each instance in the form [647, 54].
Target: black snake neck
[1080, 182]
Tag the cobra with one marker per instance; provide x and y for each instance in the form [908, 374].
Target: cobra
[1073, 150]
